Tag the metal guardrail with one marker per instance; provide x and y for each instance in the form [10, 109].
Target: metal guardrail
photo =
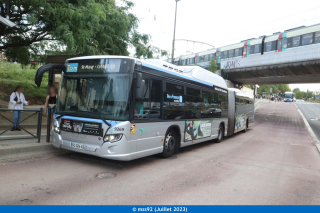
[39, 112]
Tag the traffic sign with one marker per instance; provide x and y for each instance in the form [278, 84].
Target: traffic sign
[279, 91]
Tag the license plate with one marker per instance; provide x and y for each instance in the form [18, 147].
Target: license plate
[77, 146]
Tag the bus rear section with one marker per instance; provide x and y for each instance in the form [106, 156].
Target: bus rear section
[241, 111]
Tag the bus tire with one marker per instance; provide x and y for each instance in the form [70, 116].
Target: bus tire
[170, 143]
[220, 134]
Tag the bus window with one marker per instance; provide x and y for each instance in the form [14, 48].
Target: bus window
[317, 37]
[307, 39]
[296, 41]
[156, 91]
[141, 107]
[174, 88]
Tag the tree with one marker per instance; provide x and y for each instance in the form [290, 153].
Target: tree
[275, 88]
[81, 27]
[213, 66]
[295, 90]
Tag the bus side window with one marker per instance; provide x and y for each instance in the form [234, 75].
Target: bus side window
[141, 107]
[156, 91]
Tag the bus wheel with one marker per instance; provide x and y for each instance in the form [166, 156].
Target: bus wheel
[169, 144]
[220, 134]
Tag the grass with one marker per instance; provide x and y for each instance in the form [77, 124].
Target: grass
[12, 75]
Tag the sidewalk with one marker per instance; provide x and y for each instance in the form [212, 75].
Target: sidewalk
[24, 147]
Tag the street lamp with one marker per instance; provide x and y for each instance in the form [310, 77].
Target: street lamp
[174, 33]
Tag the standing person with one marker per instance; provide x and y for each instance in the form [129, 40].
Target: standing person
[18, 99]
[51, 102]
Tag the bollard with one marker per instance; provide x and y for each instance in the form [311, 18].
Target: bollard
[48, 124]
[39, 124]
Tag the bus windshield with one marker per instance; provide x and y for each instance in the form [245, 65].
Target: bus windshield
[288, 95]
[95, 96]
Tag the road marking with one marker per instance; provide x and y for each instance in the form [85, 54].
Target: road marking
[258, 101]
[311, 133]
[256, 107]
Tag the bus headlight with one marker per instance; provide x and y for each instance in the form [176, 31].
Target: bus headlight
[56, 127]
[112, 138]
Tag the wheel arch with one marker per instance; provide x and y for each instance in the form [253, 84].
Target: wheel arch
[177, 130]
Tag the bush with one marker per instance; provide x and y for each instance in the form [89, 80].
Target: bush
[12, 75]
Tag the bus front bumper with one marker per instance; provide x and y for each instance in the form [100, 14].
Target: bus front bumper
[114, 151]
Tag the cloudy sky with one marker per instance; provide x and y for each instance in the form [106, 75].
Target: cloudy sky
[221, 23]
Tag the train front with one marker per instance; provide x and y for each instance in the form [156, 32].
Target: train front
[92, 112]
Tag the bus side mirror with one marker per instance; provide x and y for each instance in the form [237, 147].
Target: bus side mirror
[139, 79]
[139, 96]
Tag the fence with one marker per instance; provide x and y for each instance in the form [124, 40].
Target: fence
[35, 112]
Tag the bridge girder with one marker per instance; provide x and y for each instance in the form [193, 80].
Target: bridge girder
[289, 73]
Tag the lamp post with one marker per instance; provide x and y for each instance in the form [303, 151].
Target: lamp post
[174, 33]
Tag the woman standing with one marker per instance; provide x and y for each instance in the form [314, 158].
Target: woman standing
[18, 99]
[51, 102]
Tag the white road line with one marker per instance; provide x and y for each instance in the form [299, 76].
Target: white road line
[311, 133]
[258, 101]
[256, 107]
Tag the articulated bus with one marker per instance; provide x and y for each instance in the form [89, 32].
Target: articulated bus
[123, 108]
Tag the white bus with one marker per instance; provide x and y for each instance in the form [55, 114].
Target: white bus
[123, 108]
[288, 97]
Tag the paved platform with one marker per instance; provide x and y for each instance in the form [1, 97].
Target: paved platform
[274, 162]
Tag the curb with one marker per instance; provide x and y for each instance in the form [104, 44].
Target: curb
[26, 150]
[311, 133]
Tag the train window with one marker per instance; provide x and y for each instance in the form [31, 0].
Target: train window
[307, 39]
[317, 37]
[257, 48]
[231, 52]
[268, 46]
[284, 43]
[289, 42]
[244, 50]
[279, 44]
[237, 52]
[252, 49]
[206, 58]
[296, 41]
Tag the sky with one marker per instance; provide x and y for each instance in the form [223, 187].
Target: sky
[220, 23]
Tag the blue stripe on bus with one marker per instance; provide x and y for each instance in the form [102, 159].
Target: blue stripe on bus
[176, 74]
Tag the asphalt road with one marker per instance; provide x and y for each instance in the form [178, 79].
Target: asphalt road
[274, 162]
[311, 112]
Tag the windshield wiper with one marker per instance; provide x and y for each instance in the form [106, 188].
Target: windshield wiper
[99, 114]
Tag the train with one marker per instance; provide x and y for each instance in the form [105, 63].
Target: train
[297, 44]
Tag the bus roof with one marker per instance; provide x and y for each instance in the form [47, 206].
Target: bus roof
[194, 73]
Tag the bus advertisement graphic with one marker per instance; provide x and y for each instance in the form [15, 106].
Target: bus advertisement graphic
[197, 130]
